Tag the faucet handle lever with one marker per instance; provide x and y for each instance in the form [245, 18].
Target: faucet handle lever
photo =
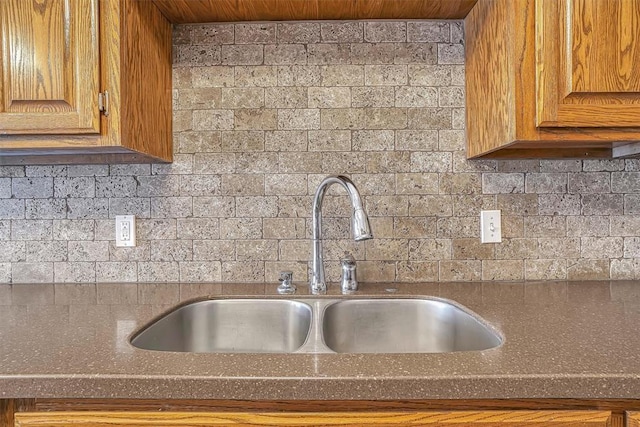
[286, 286]
[349, 283]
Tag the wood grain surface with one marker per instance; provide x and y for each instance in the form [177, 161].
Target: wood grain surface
[185, 11]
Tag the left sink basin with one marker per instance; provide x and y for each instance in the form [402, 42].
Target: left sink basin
[230, 326]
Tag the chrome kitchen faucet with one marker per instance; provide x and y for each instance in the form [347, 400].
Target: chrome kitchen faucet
[359, 221]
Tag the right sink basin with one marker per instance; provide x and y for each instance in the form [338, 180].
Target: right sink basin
[403, 326]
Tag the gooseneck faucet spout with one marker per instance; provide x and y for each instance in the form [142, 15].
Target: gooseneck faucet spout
[359, 221]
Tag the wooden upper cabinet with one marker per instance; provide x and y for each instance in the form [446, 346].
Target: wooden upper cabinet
[49, 67]
[587, 71]
[553, 78]
[188, 11]
[57, 56]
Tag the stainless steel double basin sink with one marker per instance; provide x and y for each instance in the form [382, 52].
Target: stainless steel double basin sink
[319, 325]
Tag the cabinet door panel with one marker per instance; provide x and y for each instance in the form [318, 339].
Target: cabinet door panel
[587, 70]
[49, 66]
[354, 419]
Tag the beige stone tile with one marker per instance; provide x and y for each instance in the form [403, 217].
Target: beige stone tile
[415, 53]
[242, 55]
[460, 183]
[430, 249]
[376, 271]
[343, 118]
[198, 228]
[342, 75]
[298, 119]
[625, 269]
[240, 228]
[295, 250]
[518, 204]
[436, 31]
[372, 96]
[220, 76]
[457, 227]
[257, 162]
[284, 228]
[256, 119]
[602, 204]
[382, 227]
[502, 270]
[385, 31]
[299, 75]
[385, 75]
[558, 247]
[373, 140]
[545, 269]
[460, 270]
[286, 140]
[417, 140]
[417, 271]
[285, 54]
[255, 250]
[417, 183]
[212, 34]
[545, 226]
[387, 249]
[411, 227]
[430, 205]
[301, 162]
[517, 249]
[298, 32]
[200, 271]
[601, 247]
[243, 185]
[342, 32]
[243, 271]
[373, 53]
[588, 269]
[248, 33]
[256, 76]
[329, 53]
[329, 97]
[375, 184]
[471, 248]
[386, 162]
[559, 204]
[429, 118]
[339, 163]
[329, 140]
[116, 272]
[387, 205]
[385, 118]
[472, 204]
[214, 250]
[286, 97]
[431, 162]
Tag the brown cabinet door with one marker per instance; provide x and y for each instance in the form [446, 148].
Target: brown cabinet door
[431, 418]
[633, 419]
[587, 63]
[49, 67]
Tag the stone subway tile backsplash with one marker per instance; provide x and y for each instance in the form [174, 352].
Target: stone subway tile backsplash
[264, 111]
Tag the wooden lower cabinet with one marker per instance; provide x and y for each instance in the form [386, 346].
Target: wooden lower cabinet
[633, 419]
[202, 419]
[198, 419]
[203, 413]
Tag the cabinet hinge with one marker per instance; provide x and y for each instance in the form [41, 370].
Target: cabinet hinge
[103, 102]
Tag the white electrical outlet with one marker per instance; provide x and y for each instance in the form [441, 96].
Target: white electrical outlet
[125, 230]
[490, 227]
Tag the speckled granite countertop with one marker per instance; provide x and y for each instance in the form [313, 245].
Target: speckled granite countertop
[562, 340]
